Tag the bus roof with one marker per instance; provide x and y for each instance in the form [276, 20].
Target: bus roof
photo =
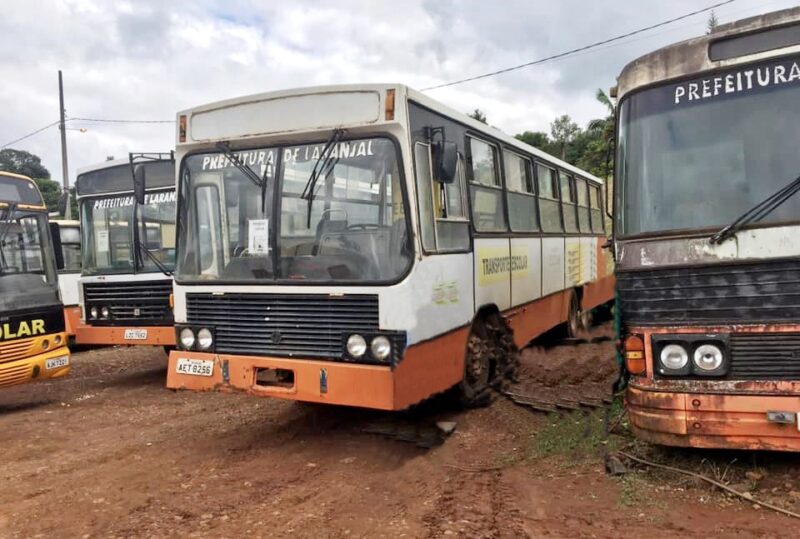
[694, 55]
[347, 116]
[114, 176]
[21, 190]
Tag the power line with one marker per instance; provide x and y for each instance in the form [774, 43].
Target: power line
[103, 120]
[579, 49]
[48, 126]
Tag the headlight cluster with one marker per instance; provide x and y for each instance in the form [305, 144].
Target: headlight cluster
[684, 355]
[195, 339]
[379, 347]
[103, 313]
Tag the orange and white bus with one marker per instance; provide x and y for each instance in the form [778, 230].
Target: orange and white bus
[128, 253]
[33, 343]
[367, 246]
[707, 237]
[69, 275]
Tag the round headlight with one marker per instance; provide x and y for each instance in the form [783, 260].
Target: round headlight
[93, 312]
[674, 357]
[204, 339]
[45, 344]
[356, 345]
[187, 338]
[380, 347]
[708, 357]
[105, 312]
[57, 340]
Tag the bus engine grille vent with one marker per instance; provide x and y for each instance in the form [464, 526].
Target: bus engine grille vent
[133, 302]
[765, 356]
[287, 325]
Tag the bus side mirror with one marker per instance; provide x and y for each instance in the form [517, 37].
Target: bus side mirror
[55, 236]
[445, 159]
[139, 183]
[62, 204]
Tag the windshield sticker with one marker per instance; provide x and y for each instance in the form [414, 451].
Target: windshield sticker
[101, 241]
[258, 236]
[258, 160]
[738, 81]
[150, 199]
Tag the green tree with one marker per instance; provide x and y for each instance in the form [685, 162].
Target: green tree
[22, 162]
[712, 23]
[597, 157]
[51, 191]
[563, 131]
[537, 139]
[478, 114]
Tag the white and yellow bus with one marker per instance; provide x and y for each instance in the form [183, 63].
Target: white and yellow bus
[368, 246]
[33, 343]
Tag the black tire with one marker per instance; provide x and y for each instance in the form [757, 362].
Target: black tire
[474, 388]
[573, 317]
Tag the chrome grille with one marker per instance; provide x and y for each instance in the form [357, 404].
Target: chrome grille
[306, 325]
[139, 302]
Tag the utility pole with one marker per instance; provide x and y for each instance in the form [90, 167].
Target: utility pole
[64, 166]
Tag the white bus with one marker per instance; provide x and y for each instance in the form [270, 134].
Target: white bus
[69, 232]
[368, 246]
[128, 253]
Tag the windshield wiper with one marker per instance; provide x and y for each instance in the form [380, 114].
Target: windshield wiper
[757, 212]
[142, 247]
[328, 162]
[5, 221]
[261, 181]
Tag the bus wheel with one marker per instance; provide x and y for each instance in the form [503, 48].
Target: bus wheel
[492, 358]
[573, 316]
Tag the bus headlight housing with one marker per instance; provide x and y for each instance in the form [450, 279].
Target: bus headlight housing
[708, 359]
[692, 354]
[187, 338]
[356, 346]
[380, 348]
[204, 339]
[93, 312]
[105, 312]
[673, 359]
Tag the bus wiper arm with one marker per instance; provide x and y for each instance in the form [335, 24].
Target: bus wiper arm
[143, 248]
[225, 149]
[328, 162]
[757, 212]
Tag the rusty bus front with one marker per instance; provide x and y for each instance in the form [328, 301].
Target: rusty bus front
[707, 237]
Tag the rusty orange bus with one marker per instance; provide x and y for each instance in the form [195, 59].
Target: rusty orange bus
[128, 252]
[707, 237]
[365, 245]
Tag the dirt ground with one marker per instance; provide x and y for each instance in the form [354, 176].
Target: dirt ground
[109, 452]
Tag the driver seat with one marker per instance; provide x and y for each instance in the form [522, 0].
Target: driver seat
[325, 227]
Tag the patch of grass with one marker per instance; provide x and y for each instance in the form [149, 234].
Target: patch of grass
[630, 493]
[576, 435]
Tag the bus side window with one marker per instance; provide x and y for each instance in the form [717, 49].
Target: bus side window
[549, 209]
[422, 169]
[596, 210]
[584, 224]
[522, 206]
[452, 227]
[568, 206]
[208, 244]
[486, 192]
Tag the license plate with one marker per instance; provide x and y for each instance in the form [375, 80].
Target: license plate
[195, 367]
[56, 363]
[135, 334]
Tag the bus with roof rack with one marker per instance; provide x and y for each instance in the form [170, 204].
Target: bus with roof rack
[365, 245]
[33, 341]
[706, 237]
[128, 252]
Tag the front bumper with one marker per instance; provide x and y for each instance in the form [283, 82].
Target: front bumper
[713, 420]
[115, 335]
[33, 368]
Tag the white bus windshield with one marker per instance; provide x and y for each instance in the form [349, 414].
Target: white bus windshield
[107, 239]
[356, 230]
[694, 155]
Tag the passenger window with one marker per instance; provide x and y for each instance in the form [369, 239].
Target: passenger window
[522, 206]
[549, 207]
[486, 195]
[596, 209]
[584, 219]
[568, 207]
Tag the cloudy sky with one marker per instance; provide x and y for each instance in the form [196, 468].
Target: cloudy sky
[147, 59]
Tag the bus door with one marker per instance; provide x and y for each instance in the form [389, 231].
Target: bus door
[492, 254]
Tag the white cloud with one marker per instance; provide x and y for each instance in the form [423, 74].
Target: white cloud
[149, 59]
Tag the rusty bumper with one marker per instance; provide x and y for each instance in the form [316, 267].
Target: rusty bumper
[713, 420]
[116, 335]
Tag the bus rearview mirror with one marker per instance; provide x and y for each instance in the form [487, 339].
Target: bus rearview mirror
[139, 183]
[445, 159]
